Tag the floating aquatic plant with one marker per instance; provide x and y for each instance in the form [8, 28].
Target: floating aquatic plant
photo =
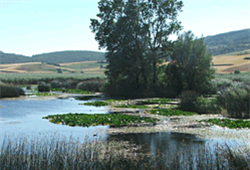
[87, 120]
[97, 103]
[229, 123]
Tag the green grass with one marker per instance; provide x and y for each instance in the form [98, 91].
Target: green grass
[84, 65]
[74, 91]
[97, 103]
[114, 100]
[158, 101]
[243, 52]
[87, 120]
[171, 112]
[232, 124]
[43, 94]
[133, 106]
[34, 78]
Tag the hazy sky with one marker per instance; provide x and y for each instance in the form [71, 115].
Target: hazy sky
[37, 26]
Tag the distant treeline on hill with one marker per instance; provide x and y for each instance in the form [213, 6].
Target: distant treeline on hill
[53, 57]
[216, 44]
[228, 42]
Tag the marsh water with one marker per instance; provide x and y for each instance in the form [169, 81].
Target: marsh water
[23, 117]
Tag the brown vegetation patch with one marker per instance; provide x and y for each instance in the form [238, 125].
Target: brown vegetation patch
[78, 62]
[221, 63]
[217, 65]
[32, 67]
[242, 68]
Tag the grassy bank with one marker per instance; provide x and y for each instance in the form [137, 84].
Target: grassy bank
[75, 91]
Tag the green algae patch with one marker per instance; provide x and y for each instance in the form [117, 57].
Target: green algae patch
[133, 106]
[171, 112]
[86, 120]
[232, 124]
[97, 103]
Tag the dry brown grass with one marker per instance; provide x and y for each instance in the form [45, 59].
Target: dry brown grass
[227, 64]
[79, 62]
[32, 67]
[237, 61]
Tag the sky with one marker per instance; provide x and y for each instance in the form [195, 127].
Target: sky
[31, 27]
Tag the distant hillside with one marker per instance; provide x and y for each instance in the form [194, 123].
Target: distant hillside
[68, 56]
[53, 57]
[6, 58]
[228, 42]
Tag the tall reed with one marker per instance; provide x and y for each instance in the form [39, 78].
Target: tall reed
[61, 153]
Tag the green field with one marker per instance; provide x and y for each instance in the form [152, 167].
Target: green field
[22, 78]
[83, 65]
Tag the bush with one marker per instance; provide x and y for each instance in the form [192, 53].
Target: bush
[188, 99]
[43, 87]
[56, 84]
[220, 83]
[28, 87]
[91, 85]
[236, 71]
[7, 90]
[59, 70]
[192, 101]
[236, 100]
[69, 84]
[206, 105]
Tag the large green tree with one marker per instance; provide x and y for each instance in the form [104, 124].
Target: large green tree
[135, 34]
[190, 66]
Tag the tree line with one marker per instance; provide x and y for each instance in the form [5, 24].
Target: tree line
[135, 34]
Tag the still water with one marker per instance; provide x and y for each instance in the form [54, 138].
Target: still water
[24, 118]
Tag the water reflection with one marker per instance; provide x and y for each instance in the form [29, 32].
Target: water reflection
[166, 142]
[24, 117]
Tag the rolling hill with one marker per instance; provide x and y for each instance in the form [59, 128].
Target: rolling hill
[228, 42]
[53, 57]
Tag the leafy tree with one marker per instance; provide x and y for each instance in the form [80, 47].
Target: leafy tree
[135, 34]
[190, 67]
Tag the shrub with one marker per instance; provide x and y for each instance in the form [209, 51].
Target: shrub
[28, 87]
[7, 90]
[91, 85]
[59, 70]
[43, 87]
[56, 84]
[206, 105]
[236, 100]
[236, 71]
[188, 99]
[69, 84]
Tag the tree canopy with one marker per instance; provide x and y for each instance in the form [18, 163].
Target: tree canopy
[190, 66]
[135, 34]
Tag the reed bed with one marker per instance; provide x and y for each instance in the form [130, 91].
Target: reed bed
[73, 154]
